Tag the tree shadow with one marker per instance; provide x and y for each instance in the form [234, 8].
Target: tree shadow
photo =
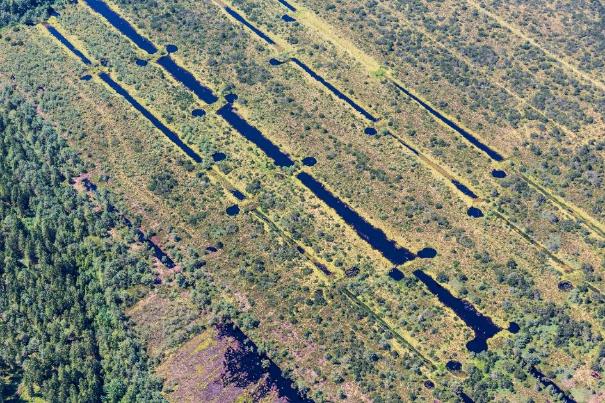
[244, 367]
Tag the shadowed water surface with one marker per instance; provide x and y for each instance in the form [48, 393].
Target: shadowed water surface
[53, 31]
[122, 25]
[254, 135]
[494, 155]
[252, 28]
[482, 325]
[183, 76]
[149, 116]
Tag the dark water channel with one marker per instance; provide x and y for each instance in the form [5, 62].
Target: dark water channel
[464, 189]
[334, 90]
[372, 235]
[183, 76]
[53, 31]
[198, 113]
[179, 73]
[287, 5]
[122, 25]
[254, 135]
[238, 195]
[494, 155]
[482, 325]
[252, 28]
[149, 116]
[546, 382]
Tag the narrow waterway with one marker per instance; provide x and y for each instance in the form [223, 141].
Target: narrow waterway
[334, 90]
[482, 325]
[546, 382]
[252, 28]
[287, 5]
[254, 135]
[494, 155]
[184, 77]
[464, 189]
[372, 235]
[122, 25]
[53, 31]
[149, 116]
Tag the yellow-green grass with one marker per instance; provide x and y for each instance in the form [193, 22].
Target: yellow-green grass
[118, 168]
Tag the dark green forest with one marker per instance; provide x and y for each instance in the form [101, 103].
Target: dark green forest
[63, 278]
[27, 11]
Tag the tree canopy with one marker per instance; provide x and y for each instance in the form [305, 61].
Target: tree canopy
[62, 276]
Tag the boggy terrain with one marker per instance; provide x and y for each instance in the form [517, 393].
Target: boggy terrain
[377, 201]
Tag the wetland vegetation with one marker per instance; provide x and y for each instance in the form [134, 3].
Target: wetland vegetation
[367, 201]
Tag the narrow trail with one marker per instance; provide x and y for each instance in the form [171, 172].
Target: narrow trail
[400, 338]
[264, 218]
[559, 58]
[326, 32]
[103, 78]
[446, 175]
[523, 101]
[434, 167]
[443, 173]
